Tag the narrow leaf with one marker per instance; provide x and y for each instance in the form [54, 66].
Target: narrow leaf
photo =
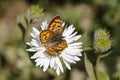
[21, 22]
[89, 67]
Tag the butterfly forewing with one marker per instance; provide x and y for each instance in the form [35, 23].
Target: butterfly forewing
[54, 30]
[56, 26]
[46, 36]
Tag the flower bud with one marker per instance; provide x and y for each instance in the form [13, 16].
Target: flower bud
[35, 11]
[102, 40]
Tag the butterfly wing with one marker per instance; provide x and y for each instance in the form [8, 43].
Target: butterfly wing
[54, 29]
[55, 26]
[46, 36]
[61, 45]
[55, 49]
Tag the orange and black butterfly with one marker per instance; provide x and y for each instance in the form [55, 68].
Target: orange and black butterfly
[53, 35]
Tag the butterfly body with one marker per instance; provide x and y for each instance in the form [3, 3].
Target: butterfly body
[53, 35]
[58, 38]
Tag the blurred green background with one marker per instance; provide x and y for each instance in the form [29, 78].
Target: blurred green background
[86, 15]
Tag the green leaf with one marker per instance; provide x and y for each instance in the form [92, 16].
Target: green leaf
[89, 67]
[102, 75]
[21, 22]
[21, 19]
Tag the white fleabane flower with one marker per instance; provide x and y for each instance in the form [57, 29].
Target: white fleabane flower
[43, 58]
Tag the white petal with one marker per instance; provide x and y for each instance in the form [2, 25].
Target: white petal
[58, 71]
[72, 39]
[67, 59]
[42, 63]
[38, 62]
[36, 31]
[72, 50]
[52, 62]
[64, 32]
[34, 49]
[39, 54]
[63, 24]
[44, 25]
[75, 54]
[67, 64]
[68, 31]
[36, 42]
[33, 57]
[76, 37]
[34, 35]
[46, 64]
[59, 64]
[68, 56]
[76, 44]
[75, 47]
[77, 58]
[68, 40]
[28, 43]
[72, 35]
[71, 53]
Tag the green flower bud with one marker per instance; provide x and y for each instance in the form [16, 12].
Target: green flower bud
[35, 11]
[102, 40]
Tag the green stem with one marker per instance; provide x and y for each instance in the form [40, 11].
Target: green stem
[88, 49]
[95, 72]
[105, 55]
[96, 66]
[0, 63]
[98, 60]
[100, 56]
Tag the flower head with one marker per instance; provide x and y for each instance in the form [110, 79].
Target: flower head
[35, 11]
[102, 40]
[66, 50]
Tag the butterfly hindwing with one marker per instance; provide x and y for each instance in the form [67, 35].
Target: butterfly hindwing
[59, 46]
